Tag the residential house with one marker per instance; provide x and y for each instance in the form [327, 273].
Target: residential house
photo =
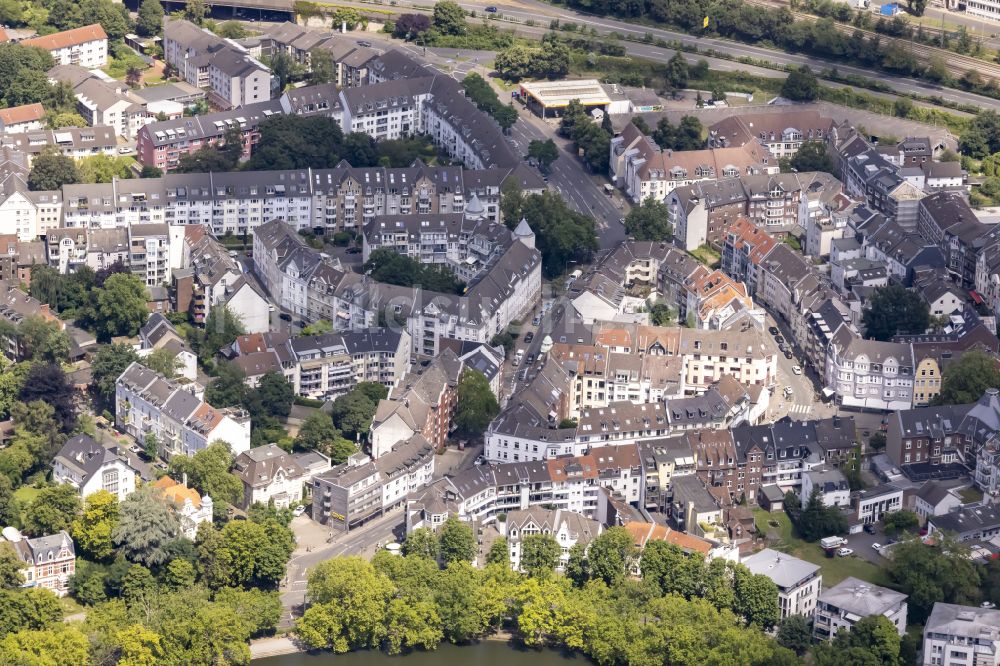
[566, 527]
[19, 119]
[850, 600]
[872, 504]
[272, 475]
[159, 333]
[972, 523]
[831, 484]
[49, 561]
[90, 467]
[781, 133]
[190, 507]
[799, 582]
[958, 635]
[934, 498]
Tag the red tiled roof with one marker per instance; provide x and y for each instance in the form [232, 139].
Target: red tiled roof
[21, 114]
[61, 40]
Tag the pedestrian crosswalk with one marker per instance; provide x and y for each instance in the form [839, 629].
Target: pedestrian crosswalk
[800, 409]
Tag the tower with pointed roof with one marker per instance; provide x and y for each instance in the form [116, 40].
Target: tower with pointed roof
[524, 233]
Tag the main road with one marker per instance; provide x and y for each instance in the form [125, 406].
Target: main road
[540, 14]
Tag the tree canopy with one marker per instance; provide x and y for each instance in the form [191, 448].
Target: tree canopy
[385, 265]
[893, 310]
[966, 379]
[801, 85]
[649, 222]
[476, 405]
[562, 235]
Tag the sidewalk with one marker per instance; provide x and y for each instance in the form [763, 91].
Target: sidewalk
[272, 647]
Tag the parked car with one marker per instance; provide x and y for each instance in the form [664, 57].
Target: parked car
[844, 552]
[354, 250]
[796, 370]
[299, 510]
[284, 316]
[773, 330]
[479, 460]
[365, 44]
[492, 10]
[537, 320]
[788, 391]
[877, 546]
[779, 339]
[124, 150]
[781, 347]
[870, 528]
[530, 336]
[531, 359]
[788, 353]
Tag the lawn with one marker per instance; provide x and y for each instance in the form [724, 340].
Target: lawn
[707, 256]
[835, 569]
[971, 494]
[26, 494]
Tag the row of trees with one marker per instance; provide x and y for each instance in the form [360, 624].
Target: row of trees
[562, 235]
[487, 101]
[411, 602]
[591, 140]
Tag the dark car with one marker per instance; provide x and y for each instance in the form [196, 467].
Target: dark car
[492, 10]
[788, 353]
[365, 44]
[285, 316]
[870, 528]
[773, 330]
[779, 339]
[529, 337]
[354, 250]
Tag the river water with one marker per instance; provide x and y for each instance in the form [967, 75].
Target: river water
[487, 653]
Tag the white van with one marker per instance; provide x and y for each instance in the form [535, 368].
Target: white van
[518, 357]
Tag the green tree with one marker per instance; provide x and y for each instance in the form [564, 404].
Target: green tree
[456, 543]
[322, 68]
[273, 394]
[208, 472]
[449, 18]
[121, 306]
[50, 170]
[163, 361]
[877, 441]
[476, 405]
[539, 555]
[895, 309]
[43, 340]
[648, 222]
[102, 168]
[756, 598]
[61, 120]
[348, 606]
[812, 156]
[422, 542]
[966, 379]
[255, 554]
[228, 389]
[146, 525]
[898, 522]
[46, 391]
[52, 510]
[545, 152]
[562, 235]
[931, 574]
[353, 412]
[412, 625]
[676, 72]
[611, 555]
[294, 142]
[800, 85]
[108, 364]
[150, 19]
[872, 640]
[499, 553]
[195, 11]
[795, 633]
[93, 527]
[56, 645]
[11, 565]
[179, 574]
[31, 609]
[917, 7]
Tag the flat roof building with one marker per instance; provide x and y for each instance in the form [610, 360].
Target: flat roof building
[798, 582]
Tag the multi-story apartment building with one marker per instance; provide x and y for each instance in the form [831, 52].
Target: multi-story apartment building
[850, 600]
[782, 133]
[74, 142]
[24, 213]
[86, 46]
[232, 77]
[642, 169]
[350, 60]
[24, 118]
[566, 527]
[15, 307]
[799, 582]
[867, 373]
[360, 489]
[326, 366]
[183, 424]
[946, 219]
[109, 103]
[960, 635]
[49, 561]
[149, 249]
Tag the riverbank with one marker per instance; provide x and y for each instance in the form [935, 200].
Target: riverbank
[276, 646]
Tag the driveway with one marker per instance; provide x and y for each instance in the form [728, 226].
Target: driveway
[862, 545]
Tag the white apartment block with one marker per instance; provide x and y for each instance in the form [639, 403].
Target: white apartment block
[799, 582]
[86, 46]
[962, 636]
[183, 424]
[868, 373]
[848, 601]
